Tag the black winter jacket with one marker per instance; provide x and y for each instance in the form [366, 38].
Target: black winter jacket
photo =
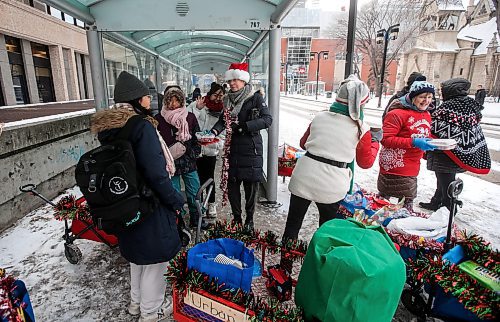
[245, 160]
[480, 96]
[156, 239]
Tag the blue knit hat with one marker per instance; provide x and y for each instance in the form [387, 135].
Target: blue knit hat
[419, 87]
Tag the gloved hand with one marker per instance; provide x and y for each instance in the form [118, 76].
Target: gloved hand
[240, 127]
[423, 144]
[376, 135]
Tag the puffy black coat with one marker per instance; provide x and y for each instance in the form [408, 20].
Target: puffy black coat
[245, 159]
[480, 96]
[438, 161]
[156, 239]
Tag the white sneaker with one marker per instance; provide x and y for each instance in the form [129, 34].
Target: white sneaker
[212, 210]
[134, 308]
[162, 314]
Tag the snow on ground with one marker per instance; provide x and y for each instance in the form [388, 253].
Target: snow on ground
[44, 119]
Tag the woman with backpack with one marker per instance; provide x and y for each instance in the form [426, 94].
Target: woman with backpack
[148, 244]
[178, 128]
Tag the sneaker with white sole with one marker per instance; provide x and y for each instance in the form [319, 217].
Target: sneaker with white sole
[162, 314]
[134, 308]
[212, 210]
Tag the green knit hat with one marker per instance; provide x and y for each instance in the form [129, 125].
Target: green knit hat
[128, 88]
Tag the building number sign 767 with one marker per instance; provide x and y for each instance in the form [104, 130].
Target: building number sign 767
[254, 24]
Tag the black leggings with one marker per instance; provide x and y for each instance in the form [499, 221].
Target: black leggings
[441, 193]
[297, 212]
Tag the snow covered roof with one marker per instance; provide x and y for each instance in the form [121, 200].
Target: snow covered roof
[480, 33]
[450, 5]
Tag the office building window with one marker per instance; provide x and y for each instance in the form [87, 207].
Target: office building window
[43, 74]
[14, 52]
[2, 101]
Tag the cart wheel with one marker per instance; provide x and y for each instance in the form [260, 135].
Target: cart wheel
[414, 302]
[72, 253]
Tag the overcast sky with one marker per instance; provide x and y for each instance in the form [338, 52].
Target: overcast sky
[335, 5]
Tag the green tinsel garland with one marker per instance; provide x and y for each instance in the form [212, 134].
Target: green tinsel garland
[480, 300]
[293, 249]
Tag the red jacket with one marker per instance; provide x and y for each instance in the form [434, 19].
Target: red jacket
[366, 150]
[400, 126]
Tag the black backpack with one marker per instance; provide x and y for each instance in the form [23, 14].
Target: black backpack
[115, 191]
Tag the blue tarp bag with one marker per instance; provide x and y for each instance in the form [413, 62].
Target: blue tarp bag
[201, 258]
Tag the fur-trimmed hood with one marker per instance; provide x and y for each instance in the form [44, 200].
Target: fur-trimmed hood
[114, 118]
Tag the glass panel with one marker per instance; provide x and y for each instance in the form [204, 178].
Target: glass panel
[13, 45]
[19, 82]
[55, 13]
[45, 86]
[39, 50]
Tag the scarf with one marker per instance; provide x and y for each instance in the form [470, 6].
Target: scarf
[233, 102]
[170, 165]
[178, 119]
[212, 105]
[343, 109]
[459, 119]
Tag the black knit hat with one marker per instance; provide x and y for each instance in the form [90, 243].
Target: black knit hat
[214, 87]
[128, 88]
[415, 76]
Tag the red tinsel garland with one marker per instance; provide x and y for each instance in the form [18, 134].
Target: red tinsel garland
[7, 310]
[68, 208]
[225, 158]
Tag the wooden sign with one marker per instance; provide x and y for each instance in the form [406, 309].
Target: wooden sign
[213, 308]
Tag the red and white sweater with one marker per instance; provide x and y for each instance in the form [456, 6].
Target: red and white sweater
[400, 126]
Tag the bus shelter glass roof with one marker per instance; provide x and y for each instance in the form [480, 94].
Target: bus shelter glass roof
[184, 31]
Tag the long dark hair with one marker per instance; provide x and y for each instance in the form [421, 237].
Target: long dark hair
[139, 109]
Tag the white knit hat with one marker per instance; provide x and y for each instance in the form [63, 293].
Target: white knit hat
[354, 93]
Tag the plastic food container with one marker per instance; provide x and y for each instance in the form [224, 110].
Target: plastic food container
[444, 144]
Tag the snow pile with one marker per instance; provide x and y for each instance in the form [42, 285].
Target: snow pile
[483, 33]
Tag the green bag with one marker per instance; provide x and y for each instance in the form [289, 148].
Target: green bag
[351, 272]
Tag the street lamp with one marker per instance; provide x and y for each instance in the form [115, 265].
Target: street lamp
[383, 36]
[325, 57]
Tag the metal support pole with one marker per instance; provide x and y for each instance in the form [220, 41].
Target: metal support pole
[382, 72]
[317, 76]
[158, 78]
[351, 27]
[96, 57]
[286, 78]
[274, 106]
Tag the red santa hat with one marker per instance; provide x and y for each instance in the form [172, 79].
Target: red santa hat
[238, 71]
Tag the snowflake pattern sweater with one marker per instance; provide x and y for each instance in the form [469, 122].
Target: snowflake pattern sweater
[400, 126]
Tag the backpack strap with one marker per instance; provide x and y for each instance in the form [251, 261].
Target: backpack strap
[124, 133]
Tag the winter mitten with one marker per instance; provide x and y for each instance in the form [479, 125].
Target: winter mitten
[423, 144]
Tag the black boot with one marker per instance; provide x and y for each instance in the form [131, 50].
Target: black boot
[248, 225]
[237, 220]
[433, 205]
